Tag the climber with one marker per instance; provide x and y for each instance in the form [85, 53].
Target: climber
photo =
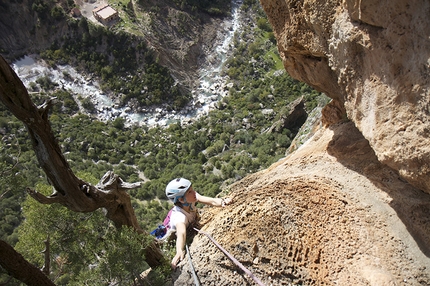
[184, 213]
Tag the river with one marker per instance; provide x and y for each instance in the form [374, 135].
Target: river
[212, 86]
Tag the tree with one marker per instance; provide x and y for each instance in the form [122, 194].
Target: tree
[69, 190]
[20, 268]
[11, 262]
[80, 246]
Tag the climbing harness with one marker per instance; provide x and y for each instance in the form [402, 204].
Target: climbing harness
[234, 260]
[196, 280]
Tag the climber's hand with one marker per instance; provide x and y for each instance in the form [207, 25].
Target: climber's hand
[178, 258]
[226, 201]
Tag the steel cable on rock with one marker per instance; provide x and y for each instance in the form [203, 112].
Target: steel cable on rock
[196, 280]
[234, 260]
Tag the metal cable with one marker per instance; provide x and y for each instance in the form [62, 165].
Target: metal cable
[234, 260]
[196, 280]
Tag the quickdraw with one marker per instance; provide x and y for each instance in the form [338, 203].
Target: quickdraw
[234, 260]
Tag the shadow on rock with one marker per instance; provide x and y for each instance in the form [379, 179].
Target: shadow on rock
[353, 151]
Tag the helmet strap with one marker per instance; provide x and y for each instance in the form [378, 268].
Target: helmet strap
[186, 204]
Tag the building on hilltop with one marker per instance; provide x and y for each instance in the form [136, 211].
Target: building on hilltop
[105, 14]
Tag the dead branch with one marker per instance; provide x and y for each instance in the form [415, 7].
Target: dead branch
[70, 191]
[44, 199]
[21, 269]
[2, 195]
[47, 257]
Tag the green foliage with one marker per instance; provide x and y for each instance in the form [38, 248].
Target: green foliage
[57, 12]
[264, 25]
[40, 7]
[122, 62]
[65, 103]
[151, 213]
[87, 104]
[46, 83]
[12, 185]
[83, 247]
[121, 262]
[49, 11]
[214, 8]
[118, 123]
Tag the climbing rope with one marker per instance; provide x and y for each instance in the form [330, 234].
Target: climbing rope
[196, 280]
[234, 260]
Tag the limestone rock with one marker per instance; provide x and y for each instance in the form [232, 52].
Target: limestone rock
[328, 214]
[372, 57]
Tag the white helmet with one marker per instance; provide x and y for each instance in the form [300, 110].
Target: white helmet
[177, 188]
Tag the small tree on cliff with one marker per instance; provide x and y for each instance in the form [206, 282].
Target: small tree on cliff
[69, 190]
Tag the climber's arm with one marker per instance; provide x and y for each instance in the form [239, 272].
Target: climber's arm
[181, 233]
[216, 202]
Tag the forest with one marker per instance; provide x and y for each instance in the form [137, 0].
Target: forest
[241, 136]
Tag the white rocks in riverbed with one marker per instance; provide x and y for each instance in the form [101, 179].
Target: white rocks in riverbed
[212, 86]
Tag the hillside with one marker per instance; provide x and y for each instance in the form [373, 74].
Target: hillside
[351, 206]
[158, 45]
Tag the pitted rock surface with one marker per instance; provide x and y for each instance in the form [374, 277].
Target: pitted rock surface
[328, 214]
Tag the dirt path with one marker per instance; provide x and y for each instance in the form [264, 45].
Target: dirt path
[329, 214]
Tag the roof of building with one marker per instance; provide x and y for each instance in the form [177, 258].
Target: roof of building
[105, 11]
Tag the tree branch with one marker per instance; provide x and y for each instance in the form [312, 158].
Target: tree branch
[70, 191]
[46, 269]
[54, 198]
[110, 181]
[21, 269]
[2, 195]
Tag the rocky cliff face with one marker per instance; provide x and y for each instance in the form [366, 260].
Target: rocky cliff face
[372, 57]
[21, 31]
[350, 206]
[328, 214]
[181, 38]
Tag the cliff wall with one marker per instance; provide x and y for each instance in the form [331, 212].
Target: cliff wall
[373, 59]
[351, 205]
[23, 31]
[328, 214]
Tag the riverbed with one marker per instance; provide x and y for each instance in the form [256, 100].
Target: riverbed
[212, 85]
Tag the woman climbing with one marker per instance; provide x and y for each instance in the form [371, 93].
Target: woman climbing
[184, 214]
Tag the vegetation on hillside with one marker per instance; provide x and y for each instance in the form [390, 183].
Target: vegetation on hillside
[123, 63]
[234, 140]
[12, 190]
